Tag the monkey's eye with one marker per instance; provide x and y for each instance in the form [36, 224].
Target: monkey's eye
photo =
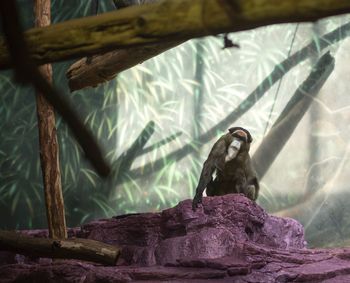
[242, 138]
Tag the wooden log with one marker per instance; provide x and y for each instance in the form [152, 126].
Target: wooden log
[83, 249]
[105, 67]
[49, 151]
[166, 21]
[92, 71]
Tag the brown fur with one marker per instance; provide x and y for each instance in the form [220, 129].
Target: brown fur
[235, 176]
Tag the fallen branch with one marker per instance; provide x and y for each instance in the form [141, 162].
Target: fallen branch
[83, 249]
[165, 21]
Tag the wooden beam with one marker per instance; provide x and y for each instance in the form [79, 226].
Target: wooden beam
[166, 21]
[83, 249]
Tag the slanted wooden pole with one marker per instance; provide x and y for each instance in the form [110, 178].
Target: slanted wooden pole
[48, 142]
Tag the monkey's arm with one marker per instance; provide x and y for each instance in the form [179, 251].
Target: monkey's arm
[252, 181]
[216, 160]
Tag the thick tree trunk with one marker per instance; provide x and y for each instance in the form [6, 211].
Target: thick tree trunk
[166, 21]
[48, 142]
[83, 249]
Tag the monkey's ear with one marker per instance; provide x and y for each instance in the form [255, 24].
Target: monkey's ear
[233, 129]
[250, 139]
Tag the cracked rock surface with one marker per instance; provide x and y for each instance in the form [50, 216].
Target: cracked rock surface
[229, 239]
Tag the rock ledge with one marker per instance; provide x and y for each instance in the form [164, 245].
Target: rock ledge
[229, 239]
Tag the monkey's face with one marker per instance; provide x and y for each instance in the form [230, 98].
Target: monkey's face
[240, 135]
[241, 139]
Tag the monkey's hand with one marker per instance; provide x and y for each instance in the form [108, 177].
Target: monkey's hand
[215, 161]
[196, 200]
[250, 192]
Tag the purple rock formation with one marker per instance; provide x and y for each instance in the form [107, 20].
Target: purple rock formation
[229, 239]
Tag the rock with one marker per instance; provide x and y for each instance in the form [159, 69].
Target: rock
[229, 238]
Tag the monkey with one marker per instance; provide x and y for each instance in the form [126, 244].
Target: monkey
[230, 158]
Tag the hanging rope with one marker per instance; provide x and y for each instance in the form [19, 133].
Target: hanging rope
[280, 82]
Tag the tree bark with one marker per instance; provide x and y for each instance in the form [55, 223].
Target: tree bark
[105, 67]
[49, 150]
[166, 21]
[98, 69]
[83, 249]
